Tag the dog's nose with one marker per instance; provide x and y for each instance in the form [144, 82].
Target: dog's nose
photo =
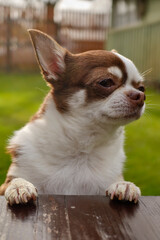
[137, 98]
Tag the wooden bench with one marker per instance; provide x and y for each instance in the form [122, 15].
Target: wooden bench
[81, 217]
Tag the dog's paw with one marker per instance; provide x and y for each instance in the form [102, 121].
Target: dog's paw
[20, 191]
[124, 191]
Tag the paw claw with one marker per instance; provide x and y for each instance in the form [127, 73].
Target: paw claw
[120, 196]
[20, 191]
[112, 195]
[34, 197]
[24, 198]
[17, 200]
[124, 191]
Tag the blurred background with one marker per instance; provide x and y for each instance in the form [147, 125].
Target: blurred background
[132, 27]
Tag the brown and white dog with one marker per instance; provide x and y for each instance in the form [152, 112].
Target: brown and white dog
[74, 143]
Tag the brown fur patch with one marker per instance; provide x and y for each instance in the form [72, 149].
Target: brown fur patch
[14, 151]
[84, 71]
[4, 186]
[42, 109]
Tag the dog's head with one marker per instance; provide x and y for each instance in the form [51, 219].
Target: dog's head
[102, 85]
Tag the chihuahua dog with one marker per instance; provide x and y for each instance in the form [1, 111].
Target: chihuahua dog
[74, 144]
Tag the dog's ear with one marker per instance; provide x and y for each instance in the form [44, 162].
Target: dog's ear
[50, 55]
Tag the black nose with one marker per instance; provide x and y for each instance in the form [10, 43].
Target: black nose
[136, 98]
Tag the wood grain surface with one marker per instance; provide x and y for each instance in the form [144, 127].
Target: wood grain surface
[81, 218]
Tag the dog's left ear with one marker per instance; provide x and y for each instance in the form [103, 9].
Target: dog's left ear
[50, 55]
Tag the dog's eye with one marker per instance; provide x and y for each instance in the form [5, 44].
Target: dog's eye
[141, 88]
[106, 83]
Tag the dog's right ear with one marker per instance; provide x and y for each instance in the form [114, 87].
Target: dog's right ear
[49, 53]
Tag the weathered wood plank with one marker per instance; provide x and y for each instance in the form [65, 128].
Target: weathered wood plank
[81, 217]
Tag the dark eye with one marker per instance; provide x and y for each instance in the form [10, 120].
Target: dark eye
[106, 83]
[141, 88]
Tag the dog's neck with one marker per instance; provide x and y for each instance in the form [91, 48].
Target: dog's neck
[78, 131]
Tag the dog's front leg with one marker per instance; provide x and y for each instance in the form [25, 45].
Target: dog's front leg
[20, 191]
[124, 190]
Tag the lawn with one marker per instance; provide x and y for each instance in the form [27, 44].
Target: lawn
[22, 94]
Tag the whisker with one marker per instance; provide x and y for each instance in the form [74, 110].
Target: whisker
[153, 104]
[147, 114]
[146, 72]
[153, 108]
[148, 102]
[42, 90]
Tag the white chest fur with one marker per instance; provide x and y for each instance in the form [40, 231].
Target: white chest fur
[67, 155]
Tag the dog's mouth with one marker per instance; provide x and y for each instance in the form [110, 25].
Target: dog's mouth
[125, 114]
[131, 115]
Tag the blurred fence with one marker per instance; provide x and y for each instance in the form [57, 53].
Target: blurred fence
[77, 31]
[82, 31]
[141, 44]
[16, 51]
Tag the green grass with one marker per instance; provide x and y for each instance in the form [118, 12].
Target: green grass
[20, 97]
[143, 148]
